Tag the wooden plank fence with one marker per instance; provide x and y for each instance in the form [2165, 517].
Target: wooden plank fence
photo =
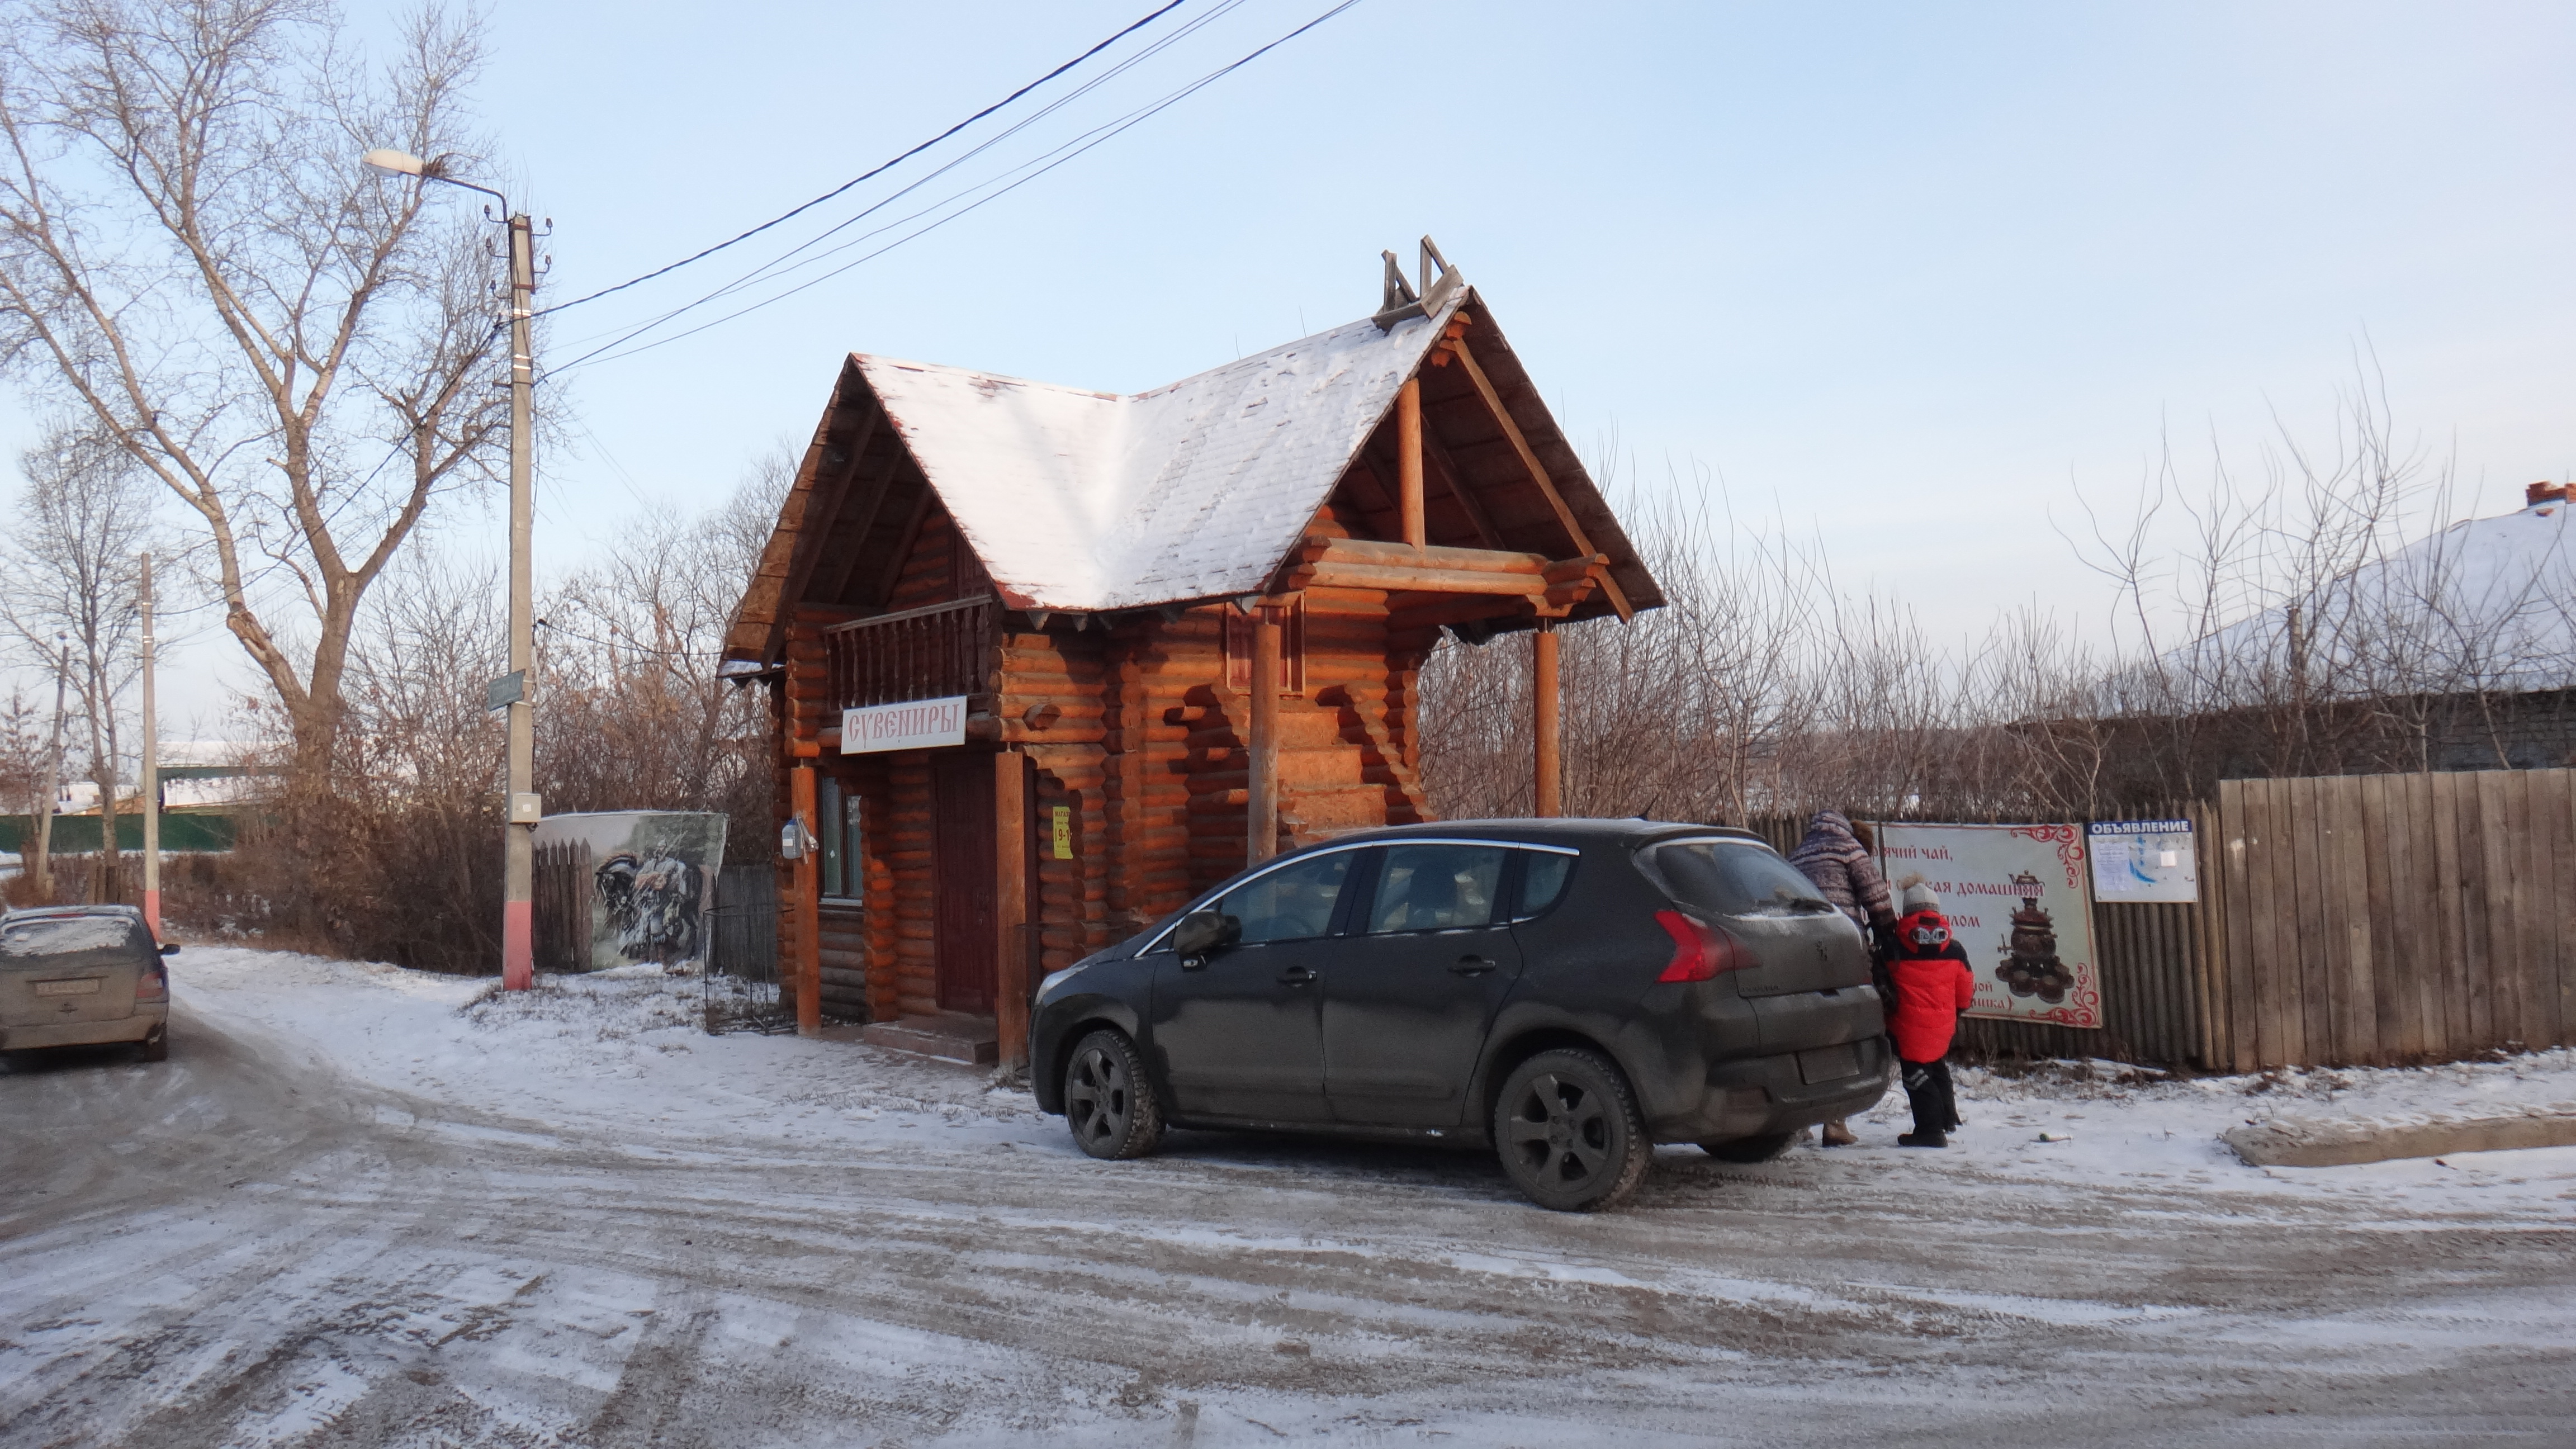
[2372, 920]
[2348, 920]
[559, 905]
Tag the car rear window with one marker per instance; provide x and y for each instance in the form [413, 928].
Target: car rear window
[1734, 878]
[66, 935]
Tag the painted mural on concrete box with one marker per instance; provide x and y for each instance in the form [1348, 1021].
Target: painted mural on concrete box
[2016, 900]
[652, 880]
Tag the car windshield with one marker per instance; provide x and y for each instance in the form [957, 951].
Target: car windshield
[64, 935]
[1735, 878]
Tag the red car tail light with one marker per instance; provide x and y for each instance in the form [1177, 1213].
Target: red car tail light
[151, 986]
[1700, 950]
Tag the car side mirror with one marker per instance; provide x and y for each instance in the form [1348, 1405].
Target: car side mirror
[170, 950]
[1202, 933]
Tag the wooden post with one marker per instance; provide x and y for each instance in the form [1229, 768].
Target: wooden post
[1546, 722]
[1261, 814]
[1408, 451]
[1011, 925]
[809, 908]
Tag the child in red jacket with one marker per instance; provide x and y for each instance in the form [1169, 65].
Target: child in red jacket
[1933, 985]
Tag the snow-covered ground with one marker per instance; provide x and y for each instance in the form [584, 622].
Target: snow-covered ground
[365, 1205]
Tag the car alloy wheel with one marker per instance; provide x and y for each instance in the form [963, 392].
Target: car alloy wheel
[1108, 1102]
[1569, 1132]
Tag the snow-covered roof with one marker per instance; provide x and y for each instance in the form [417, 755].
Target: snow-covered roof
[1090, 500]
[2485, 604]
[1081, 502]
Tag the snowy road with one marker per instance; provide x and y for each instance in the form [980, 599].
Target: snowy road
[351, 1208]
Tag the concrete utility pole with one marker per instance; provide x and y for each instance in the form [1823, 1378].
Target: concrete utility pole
[518, 832]
[151, 782]
[44, 863]
[519, 853]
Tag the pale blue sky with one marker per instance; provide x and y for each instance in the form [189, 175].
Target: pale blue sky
[1900, 272]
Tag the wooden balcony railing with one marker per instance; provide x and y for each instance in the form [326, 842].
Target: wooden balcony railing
[927, 653]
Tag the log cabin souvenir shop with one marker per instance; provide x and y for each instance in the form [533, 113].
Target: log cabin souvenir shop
[1047, 663]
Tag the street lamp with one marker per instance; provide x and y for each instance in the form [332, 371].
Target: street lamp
[518, 969]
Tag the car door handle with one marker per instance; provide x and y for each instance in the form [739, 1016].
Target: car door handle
[1472, 966]
[1295, 976]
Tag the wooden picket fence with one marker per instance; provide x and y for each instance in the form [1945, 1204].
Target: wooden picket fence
[2345, 920]
[560, 908]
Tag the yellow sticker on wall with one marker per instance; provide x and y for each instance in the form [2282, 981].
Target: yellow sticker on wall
[1064, 832]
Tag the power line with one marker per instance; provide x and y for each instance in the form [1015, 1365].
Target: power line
[551, 627]
[774, 263]
[1096, 137]
[877, 171]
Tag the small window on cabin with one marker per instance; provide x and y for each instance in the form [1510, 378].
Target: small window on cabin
[837, 825]
[1292, 649]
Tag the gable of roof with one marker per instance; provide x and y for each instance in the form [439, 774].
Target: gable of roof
[1085, 501]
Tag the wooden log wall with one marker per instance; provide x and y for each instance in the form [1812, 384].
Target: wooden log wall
[1055, 703]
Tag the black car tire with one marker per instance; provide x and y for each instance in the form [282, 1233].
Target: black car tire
[1109, 1102]
[156, 1047]
[1750, 1149]
[1569, 1133]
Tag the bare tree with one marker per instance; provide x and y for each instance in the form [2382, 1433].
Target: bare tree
[23, 787]
[299, 350]
[633, 715]
[2327, 615]
[73, 572]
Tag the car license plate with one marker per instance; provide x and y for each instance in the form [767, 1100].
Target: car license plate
[86, 986]
[1829, 1064]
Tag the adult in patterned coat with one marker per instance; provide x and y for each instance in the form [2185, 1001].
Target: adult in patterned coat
[1836, 857]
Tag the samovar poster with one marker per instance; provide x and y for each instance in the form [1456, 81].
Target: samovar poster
[2016, 899]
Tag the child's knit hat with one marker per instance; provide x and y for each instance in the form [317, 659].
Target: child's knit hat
[1918, 897]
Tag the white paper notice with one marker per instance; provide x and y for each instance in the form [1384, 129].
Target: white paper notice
[2143, 861]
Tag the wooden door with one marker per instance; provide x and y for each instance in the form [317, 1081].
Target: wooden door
[965, 943]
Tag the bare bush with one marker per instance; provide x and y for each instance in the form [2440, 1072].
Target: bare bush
[633, 716]
[403, 862]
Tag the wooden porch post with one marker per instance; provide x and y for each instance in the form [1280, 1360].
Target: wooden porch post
[809, 908]
[1261, 814]
[1011, 905]
[1408, 451]
[1546, 721]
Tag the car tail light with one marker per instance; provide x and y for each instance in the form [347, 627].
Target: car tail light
[1700, 950]
[151, 987]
